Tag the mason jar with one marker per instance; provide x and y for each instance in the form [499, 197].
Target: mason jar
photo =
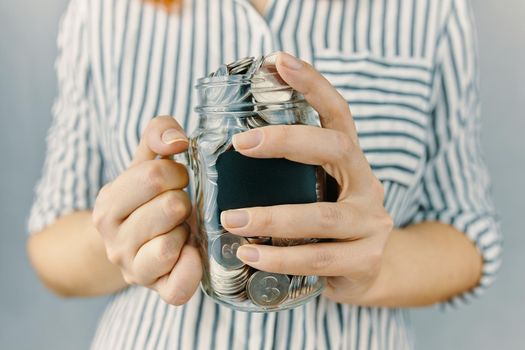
[244, 95]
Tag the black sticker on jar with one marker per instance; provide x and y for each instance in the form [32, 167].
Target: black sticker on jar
[248, 182]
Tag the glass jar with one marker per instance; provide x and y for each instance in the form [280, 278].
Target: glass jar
[238, 97]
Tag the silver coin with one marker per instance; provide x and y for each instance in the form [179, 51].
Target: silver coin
[268, 289]
[241, 62]
[240, 66]
[255, 122]
[267, 84]
[224, 250]
[224, 93]
[255, 66]
[274, 116]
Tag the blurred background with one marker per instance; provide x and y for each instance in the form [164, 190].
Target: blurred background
[31, 318]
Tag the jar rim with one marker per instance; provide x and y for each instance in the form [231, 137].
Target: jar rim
[237, 79]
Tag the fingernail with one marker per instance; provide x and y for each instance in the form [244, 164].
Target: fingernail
[247, 140]
[291, 62]
[248, 254]
[235, 218]
[172, 136]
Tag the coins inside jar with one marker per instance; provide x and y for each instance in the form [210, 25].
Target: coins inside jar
[229, 284]
[245, 94]
[302, 285]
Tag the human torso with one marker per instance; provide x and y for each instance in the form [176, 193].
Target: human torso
[379, 56]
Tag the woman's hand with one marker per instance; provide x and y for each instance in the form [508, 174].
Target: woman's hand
[357, 224]
[142, 217]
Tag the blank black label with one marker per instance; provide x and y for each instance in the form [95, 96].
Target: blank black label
[248, 182]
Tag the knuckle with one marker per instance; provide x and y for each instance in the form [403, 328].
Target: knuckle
[100, 215]
[128, 278]
[266, 218]
[378, 190]
[322, 260]
[174, 297]
[99, 218]
[344, 145]
[154, 176]
[175, 207]
[169, 250]
[181, 172]
[330, 215]
[102, 194]
[115, 256]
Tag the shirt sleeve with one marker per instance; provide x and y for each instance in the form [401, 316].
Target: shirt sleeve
[72, 170]
[456, 186]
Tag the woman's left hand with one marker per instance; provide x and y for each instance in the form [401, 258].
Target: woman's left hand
[357, 225]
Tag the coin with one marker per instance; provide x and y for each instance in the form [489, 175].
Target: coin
[226, 93]
[240, 66]
[255, 66]
[268, 289]
[224, 250]
[267, 84]
[255, 121]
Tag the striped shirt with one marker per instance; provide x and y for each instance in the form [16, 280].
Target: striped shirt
[408, 69]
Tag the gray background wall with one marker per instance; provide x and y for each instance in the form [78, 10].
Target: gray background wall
[31, 318]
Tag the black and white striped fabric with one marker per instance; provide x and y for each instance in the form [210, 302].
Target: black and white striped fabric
[408, 70]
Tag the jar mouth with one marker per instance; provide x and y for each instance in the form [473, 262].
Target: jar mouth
[242, 79]
[227, 80]
[245, 94]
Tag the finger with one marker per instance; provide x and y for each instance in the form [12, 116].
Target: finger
[158, 216]
[318, 259]
[318, 92]
[315, 220]
[335, 151]
[180, 284]
[158, 256]
[138, 185]
[163, 136]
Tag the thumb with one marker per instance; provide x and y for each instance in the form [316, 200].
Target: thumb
[164, 137]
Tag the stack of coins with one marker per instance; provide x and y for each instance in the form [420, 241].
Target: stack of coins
[302, 285]
[228, 274]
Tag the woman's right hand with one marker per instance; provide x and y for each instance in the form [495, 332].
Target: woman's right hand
[142, 215]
